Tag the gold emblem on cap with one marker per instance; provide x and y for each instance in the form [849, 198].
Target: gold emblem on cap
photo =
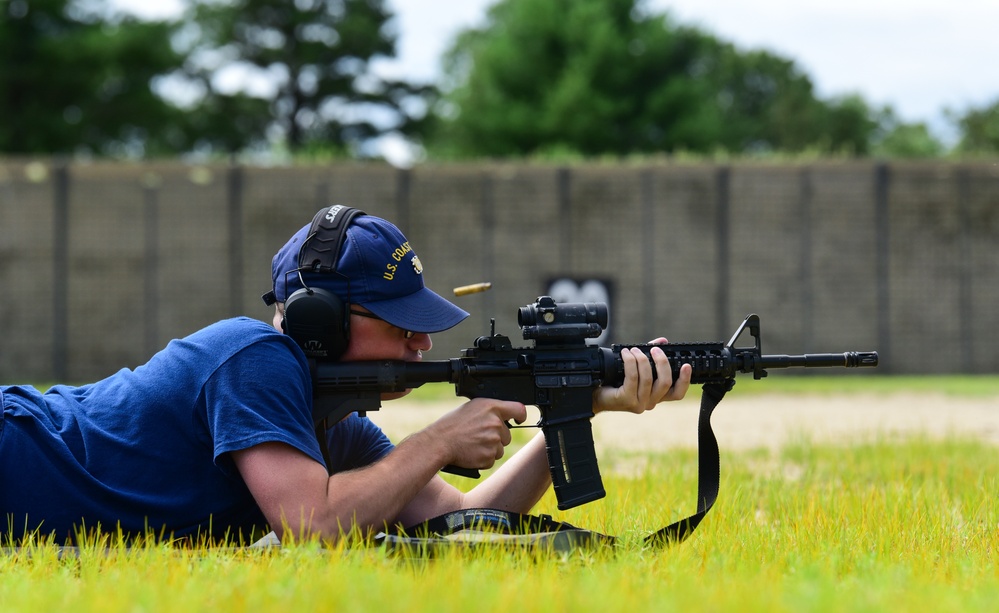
[417, 265]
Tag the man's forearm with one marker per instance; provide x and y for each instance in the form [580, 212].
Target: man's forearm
[518, 484]
[372, 497]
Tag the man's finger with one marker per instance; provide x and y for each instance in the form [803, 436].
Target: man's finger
[679, 388]
[512, 410]
[664, 373]
[630, 371]
[506, 435]
[645, 382]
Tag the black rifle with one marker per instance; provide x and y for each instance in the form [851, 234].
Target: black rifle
[558, 375]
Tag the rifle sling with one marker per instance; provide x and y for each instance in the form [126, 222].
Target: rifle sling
[708, 470]
[478, 528]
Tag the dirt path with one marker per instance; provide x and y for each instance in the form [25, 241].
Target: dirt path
[762, 421]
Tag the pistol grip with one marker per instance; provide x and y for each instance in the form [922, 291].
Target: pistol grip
[461, 471]
[572, 461]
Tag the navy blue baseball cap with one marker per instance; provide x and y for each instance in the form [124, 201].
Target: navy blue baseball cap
[377, 269]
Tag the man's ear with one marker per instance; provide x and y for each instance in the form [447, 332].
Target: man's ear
[278, 321]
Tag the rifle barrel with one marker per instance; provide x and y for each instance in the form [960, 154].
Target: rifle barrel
[849, 359]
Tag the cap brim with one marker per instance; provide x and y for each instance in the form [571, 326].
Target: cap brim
[422, 311]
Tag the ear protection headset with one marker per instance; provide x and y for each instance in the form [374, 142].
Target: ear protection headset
[316, 319]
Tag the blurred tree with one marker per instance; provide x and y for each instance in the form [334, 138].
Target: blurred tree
[608, 77]
[297, 72]
[766, 102]
[979, 129]
[769, 104]
[576, 75]
[847, 125]
[77, 79]
[897, 139]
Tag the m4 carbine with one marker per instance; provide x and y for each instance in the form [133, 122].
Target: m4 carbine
[558, 375]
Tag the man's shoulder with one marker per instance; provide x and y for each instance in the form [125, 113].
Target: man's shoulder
[238, 330]
[239, 335]
[243, 323]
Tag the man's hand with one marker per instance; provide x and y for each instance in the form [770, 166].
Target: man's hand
[639, 392]
[476, 432]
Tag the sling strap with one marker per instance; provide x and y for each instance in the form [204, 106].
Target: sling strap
[481, 528]
[708, 470]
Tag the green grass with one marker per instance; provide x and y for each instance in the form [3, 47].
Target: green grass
[879, 525]
[873, 527]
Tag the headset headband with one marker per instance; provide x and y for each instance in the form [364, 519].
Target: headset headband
[328, 233]
[321, 248]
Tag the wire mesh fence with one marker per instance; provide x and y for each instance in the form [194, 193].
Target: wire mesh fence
[102, 264]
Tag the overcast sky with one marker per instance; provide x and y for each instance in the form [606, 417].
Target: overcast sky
[919, 56]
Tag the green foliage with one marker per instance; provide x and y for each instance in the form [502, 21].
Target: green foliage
[549, 79]
[599, 77]
[315, 55]
[80, 79]
[910, 141]
[979, 129]
[76, 81]
[897, 139]
[562, 76]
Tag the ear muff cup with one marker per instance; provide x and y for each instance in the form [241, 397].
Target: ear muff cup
[318, 321]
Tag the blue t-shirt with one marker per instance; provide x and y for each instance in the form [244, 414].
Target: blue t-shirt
[148, 449]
